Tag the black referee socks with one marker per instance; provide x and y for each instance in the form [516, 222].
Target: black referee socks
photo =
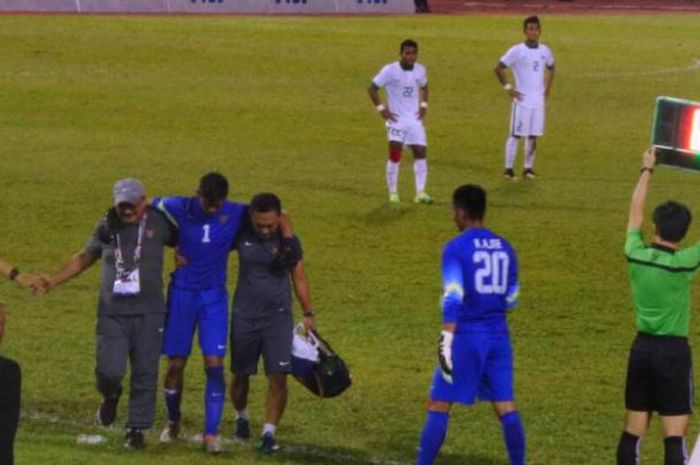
[676, 452]
[628, 450]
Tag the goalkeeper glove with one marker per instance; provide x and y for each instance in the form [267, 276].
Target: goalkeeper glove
[445, 355]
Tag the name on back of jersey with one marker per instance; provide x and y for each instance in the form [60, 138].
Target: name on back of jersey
[489, 244]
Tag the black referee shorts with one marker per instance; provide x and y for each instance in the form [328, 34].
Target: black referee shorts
[660, 375]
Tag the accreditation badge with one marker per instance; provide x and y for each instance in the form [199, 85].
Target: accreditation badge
[127, 283]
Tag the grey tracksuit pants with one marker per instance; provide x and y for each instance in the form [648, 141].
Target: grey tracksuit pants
[135, 339]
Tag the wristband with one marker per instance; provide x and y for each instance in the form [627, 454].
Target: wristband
[308, 313]
[507, 86]
[646, 168]
[381, 108]
[14, 272]
[424, 104]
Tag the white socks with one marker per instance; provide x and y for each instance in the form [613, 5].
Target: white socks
[392, 176]
[269, 428]
[420, 169]
[243, 414]
[530, 145]
[511, 151]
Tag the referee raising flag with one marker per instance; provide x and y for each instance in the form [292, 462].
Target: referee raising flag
[659, 373]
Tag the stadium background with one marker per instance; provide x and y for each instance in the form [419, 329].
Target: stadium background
[279, 104]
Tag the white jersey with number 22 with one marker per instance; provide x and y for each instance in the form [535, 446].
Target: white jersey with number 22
[402, 88]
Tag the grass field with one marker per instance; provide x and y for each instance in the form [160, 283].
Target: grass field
[280, 104]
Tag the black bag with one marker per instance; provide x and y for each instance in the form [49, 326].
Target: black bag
[330, 376]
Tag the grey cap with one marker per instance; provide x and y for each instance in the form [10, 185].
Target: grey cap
[128, 190]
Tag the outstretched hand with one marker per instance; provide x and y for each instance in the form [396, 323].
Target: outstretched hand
[36, 282]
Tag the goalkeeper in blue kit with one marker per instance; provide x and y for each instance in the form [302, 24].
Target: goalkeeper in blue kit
[480, 279]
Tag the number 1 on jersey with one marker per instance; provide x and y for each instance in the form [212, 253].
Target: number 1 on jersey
[205, 238]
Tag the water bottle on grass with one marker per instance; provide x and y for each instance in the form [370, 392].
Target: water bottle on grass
[91, 439]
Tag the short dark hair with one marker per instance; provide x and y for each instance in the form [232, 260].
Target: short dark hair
[472, 199]
[408, 43]
[213, 187]
[672, 220]
[266, 202]
[531, 20]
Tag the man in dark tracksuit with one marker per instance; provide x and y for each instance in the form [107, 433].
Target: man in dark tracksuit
[130, 239]
[10, 384]
[262, 322]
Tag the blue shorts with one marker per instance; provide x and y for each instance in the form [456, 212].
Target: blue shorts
[482, 368]
[187, 310]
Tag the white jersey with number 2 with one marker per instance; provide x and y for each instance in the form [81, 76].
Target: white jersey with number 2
[402, 88]
[528, 65]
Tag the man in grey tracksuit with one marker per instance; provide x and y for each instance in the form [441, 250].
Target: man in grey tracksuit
[262, 322]
[130, 239]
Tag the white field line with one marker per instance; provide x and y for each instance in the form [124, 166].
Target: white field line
[291, 450]
[694, 66]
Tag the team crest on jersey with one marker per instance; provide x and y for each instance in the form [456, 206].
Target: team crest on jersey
[150, 233]
[223, 219]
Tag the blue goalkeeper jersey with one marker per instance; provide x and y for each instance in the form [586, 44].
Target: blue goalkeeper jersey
[480, 279]
[204, 240]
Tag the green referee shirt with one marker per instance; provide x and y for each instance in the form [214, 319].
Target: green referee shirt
[661, 282]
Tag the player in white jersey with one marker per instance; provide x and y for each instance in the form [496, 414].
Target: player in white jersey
[533, 67]
[406, 85]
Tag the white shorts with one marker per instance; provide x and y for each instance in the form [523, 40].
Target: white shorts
[526, 121]
[408, 132]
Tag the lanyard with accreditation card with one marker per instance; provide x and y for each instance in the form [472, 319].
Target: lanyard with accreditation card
[127, 282]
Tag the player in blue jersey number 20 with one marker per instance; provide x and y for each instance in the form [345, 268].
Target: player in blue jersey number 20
[480, 279]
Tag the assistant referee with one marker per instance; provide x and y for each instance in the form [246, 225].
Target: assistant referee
[659, 373]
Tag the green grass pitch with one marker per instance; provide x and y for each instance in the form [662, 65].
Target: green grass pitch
[280, 104]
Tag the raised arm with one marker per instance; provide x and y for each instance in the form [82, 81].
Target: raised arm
[286, 227]
[303, 294]
[636, 216]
